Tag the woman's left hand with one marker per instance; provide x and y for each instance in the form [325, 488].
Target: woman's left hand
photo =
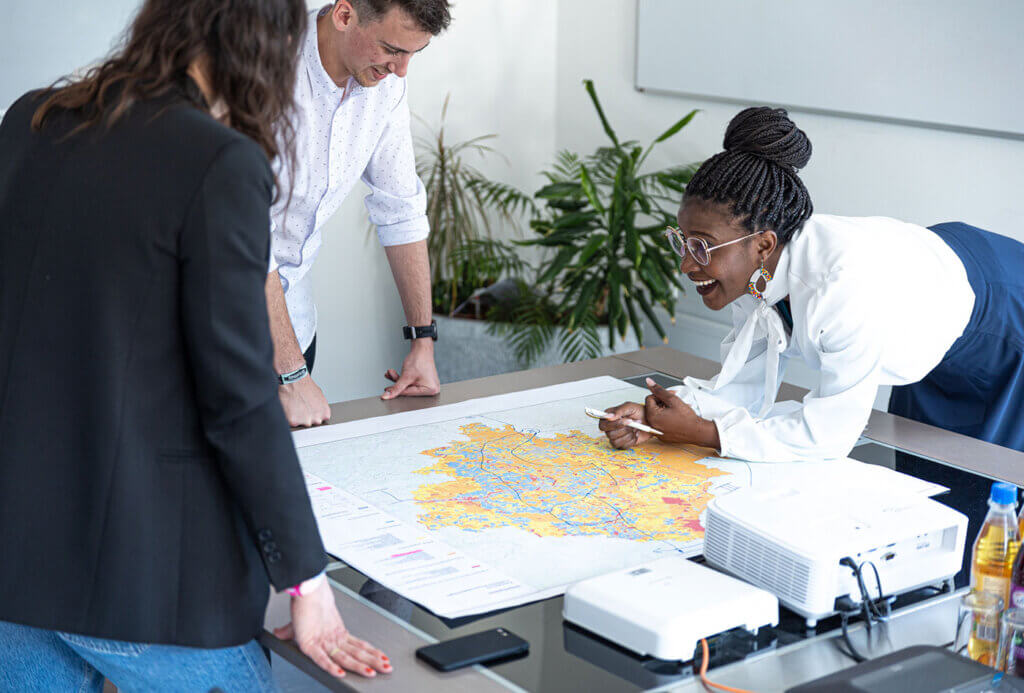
[677, 420]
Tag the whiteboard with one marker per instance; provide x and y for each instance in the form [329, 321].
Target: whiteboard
[952, 64]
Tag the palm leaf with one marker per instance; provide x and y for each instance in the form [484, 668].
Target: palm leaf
[588, 84]
[584, 342]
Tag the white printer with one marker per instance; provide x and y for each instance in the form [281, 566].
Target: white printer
[789, 539]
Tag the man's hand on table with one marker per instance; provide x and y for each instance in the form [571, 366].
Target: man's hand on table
[304, 403]
[419, 374]
[320, 633]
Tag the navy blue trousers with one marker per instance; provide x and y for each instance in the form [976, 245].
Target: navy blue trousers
[978, 388]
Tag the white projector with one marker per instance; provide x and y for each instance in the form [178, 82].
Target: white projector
[664, 608]
[790, 540]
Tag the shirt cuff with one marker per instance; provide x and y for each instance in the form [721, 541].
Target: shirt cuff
[403, 232]
[686, 394]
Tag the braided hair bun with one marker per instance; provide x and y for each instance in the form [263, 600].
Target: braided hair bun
[770, 134]
[756, 174]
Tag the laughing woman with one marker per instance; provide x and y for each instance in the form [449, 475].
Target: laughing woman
[865, 301]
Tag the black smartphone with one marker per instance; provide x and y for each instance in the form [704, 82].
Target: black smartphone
[478, 648]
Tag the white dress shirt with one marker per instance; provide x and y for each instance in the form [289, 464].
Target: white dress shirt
[342, 134]
[875, 301]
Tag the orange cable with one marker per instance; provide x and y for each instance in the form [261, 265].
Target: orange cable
[704, 671]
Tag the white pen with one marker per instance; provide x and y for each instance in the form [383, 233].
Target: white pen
[598, 414]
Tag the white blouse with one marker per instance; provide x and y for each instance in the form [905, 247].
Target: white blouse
[875, 301]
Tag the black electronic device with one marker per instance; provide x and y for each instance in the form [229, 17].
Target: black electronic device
[918, 669]
[477, 648]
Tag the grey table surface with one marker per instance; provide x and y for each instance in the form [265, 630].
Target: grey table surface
[930, 622]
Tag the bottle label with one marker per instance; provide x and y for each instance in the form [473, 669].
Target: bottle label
[999, 586]
[986, 630]
[1017, 596]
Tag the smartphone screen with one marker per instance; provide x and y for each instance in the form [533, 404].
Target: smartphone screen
[477, 648]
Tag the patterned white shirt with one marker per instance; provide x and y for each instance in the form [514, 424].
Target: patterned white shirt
[342, 134]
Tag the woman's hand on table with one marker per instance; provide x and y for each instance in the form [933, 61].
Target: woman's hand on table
[320, 633]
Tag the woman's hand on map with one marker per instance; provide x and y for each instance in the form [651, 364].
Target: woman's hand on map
[320, 633]
[677, 420]
[619, 434]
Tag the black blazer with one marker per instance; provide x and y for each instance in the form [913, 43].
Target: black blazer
[148, 482]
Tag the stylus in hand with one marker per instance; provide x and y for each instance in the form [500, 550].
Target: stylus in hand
[598, 414]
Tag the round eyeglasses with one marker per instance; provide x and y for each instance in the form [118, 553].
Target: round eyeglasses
[696, 246]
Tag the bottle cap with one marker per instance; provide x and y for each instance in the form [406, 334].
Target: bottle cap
[1003, 493]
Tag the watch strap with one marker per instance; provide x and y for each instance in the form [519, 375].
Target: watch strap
[421, 331]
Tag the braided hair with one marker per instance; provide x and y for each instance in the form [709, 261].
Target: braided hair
[756, 174]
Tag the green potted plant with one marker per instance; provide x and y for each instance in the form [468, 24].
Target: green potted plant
[601, 219]
[462, 207]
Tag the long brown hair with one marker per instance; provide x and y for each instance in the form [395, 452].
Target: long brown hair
[250, 49]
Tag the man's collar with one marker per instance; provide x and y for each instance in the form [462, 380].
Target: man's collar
[322, 83]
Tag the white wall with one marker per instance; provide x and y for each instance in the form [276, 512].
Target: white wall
[515, 69]
[42, 41]
[858, 167]
[497, 60]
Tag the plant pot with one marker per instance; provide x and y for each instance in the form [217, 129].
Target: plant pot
[464, 350]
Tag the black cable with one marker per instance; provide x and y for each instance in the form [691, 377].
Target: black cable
[865, 598]
[852, 653]
[852, 565]
[871, 609]
[882, 598]
[878, 579]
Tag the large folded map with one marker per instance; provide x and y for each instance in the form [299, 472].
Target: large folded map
[494, 502]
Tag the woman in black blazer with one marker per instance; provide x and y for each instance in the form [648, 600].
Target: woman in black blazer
[149, 488]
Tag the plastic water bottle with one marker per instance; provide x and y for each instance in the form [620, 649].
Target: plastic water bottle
[997, 544]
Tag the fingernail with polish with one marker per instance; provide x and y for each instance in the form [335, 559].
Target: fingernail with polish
[369, 671]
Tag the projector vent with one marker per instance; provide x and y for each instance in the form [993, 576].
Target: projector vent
[755, 560]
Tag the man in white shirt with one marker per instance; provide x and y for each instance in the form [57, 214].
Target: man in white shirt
[351, 122]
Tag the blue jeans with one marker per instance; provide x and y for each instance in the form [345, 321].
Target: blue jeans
[42, 660]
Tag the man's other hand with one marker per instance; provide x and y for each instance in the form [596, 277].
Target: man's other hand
[419, 374]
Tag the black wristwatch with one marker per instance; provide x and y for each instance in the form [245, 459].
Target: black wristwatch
[414, 332]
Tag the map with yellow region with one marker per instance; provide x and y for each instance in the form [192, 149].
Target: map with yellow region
[568, 484]
[471, 506]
